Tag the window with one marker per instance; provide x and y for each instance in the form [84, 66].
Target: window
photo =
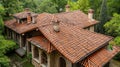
[44, 59]
[62, 62]
[23, 41]
[24, 20]
[36, 53]
[29, 46]
[77, 65]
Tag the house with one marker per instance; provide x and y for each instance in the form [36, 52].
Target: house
[64, 39]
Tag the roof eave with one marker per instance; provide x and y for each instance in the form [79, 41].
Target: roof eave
[105, 44]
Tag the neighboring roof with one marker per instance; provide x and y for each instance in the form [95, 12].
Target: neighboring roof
[73, 42]
[24, 27]
[24, 14]
[100, 58]
[42, 42]
[76, 18]
[19, 28]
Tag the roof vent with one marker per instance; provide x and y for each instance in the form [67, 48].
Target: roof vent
[56, 24]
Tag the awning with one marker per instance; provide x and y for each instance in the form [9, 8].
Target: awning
[20, 52]
[42, 42]
[100, 58]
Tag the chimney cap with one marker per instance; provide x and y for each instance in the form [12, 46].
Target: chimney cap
[90, 11]
[67, 6]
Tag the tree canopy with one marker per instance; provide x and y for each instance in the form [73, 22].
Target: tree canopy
[82, 5]
[112, 27]
[5, 45]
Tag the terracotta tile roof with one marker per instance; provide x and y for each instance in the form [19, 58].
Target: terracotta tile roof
[19, 28]
[23, 27]
[42, 42]
[100, 58]
[24, 14]
[73, 42]
[77, 18]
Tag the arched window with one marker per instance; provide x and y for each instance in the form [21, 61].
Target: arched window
[62, 62]
[44, 59]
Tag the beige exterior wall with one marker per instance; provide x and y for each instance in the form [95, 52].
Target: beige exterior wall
[57, 57]
[52, 59]
[90, 28]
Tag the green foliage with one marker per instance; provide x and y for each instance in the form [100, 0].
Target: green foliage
[82, 5]
[96, 5]
[103, 17]
[60, 4]
[113, 26]
[113, 7]
[47, 6]
[11, 7]
[5, 47]
[4, 61]
[117, 57]
[2, 10]
[1, 25]
[40, 6]
[117, 40]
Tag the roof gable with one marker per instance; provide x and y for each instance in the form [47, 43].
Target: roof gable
[73, 42]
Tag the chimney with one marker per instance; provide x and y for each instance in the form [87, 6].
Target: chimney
[90, 14]
[55, 22]
[56, 26]
[27, 9]
[29, 20]
[67, 8]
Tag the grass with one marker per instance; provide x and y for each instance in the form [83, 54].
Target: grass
[27, 64]
[114, 63]
[22, 61]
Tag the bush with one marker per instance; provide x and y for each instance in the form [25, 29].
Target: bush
[5, 47]
[4, 61]
[117, 57]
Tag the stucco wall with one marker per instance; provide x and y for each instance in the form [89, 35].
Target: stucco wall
[91, 28]
[36, 64]
[52, 59]
[57, 57]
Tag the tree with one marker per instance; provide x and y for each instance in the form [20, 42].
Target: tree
[82, 5]
[1, 20]
[40, 6]
[5, 47]
[60, 4]
[2, 10]
[103, 17]
[113, 7]
[47, 6]
[11, 7]
[113, 26]
[95, 5]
